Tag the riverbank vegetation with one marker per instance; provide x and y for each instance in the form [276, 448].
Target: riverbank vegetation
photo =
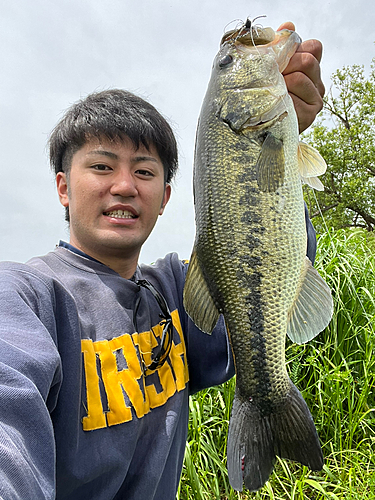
[335, 373]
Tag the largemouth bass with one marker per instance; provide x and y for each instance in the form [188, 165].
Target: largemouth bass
[249, 259]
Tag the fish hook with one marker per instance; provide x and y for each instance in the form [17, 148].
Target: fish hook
[249, 25]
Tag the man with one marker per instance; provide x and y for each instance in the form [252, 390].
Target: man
[97, 356]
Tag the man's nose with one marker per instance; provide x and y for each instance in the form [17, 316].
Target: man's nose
[124, 184]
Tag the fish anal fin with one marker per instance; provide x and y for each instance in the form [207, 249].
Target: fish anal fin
[270, 166]
[311, 164]
[312, 309]
[198, 302]
[255, 439]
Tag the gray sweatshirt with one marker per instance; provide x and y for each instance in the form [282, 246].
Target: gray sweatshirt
[81, 416]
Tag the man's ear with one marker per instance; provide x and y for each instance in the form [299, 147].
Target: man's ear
[166, 196]
[62, 188]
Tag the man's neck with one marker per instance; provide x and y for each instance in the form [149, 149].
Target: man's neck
[124, 267]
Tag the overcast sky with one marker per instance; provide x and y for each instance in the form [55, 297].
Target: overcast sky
[53, 52]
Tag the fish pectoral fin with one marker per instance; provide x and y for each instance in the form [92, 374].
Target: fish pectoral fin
[311, 164]
[313, 182]
[270, 167]
[312, 309]
[198, 302]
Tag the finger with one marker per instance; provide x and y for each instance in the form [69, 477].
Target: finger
[305, 113]
[301, 86]
[304, 63]
[306, 98]
[312, 46]
[287, 26]
[306, 59]
[303, 79]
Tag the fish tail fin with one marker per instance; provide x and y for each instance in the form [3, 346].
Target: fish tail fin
[254, 440]
[250, 452]
[294, 432]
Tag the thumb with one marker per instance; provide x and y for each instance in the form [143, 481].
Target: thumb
[287, 26]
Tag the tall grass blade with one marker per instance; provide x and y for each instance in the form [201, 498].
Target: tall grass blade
[336, 375]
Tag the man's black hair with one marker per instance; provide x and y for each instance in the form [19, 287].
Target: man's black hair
[112, 114]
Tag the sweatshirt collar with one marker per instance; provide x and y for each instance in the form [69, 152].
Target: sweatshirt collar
[68, 246]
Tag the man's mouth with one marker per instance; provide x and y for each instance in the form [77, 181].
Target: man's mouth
[121, 214]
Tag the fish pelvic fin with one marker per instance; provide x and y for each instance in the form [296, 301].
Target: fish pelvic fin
[311, 164]
[254, 440]
[312, 309]
[198, 302]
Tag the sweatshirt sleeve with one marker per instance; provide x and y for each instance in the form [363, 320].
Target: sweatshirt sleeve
[210, 356]
[30, 374]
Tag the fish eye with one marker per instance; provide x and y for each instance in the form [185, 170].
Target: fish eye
[224, 61]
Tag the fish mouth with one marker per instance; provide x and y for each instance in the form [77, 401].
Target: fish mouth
[250, 35]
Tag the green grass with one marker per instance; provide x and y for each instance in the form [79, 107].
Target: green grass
[336, 375]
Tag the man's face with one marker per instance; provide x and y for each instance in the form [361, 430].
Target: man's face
[115, 195]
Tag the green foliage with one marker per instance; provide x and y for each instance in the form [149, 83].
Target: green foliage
[336, 375]
[348, 146]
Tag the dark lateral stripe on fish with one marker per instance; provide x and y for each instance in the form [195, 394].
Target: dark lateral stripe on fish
[250, 244]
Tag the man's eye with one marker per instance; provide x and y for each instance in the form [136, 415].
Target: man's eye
[147, 173]
[101, 167]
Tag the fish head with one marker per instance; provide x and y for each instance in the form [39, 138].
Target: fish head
[283, 43]
[246, 81]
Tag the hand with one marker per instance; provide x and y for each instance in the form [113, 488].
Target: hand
[303, 80]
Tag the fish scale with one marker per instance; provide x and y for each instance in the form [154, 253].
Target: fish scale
[248, 261]
[234, 254]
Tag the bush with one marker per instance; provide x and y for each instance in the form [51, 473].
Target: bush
[335, 373]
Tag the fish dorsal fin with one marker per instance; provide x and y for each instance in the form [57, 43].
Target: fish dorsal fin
[312, 310]
[270, 166]
[311, 164]
[198, 302]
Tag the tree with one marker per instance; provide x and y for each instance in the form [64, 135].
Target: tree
[348, 146]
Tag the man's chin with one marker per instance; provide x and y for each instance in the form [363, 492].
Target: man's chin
[121, 244]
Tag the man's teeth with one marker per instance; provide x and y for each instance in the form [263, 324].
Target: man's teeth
[120, 214]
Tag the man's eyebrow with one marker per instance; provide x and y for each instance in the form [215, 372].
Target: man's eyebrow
[114, 156]
[102, 152]
[144, 158]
